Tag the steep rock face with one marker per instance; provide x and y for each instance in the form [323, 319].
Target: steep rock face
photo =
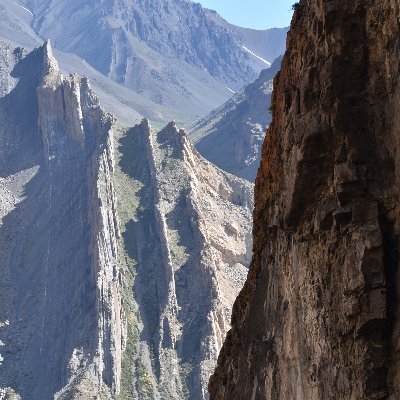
[187, 242]
[60, 306]
[231, 136]
[318, 317]
[122, 249]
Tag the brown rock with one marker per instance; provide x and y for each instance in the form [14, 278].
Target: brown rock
[317, 316]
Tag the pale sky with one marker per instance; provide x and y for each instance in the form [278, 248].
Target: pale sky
[258, 14]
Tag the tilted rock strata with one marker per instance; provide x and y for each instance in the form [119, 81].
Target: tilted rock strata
[122, 249]
[60, 319]
[317, 318]
[190, 241]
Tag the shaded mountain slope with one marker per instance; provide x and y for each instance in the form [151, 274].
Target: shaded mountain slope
[231, 136]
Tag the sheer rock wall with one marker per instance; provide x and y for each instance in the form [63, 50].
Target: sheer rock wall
[318, 317]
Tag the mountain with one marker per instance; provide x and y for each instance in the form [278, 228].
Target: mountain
[117, 36]
[318, 316]
[129, 106]
[231, 136]
[139, 55]
[58, 230]
[172, 52]
[122, 248]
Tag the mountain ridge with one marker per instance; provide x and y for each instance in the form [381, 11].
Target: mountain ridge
[112, 273]
[231, 136]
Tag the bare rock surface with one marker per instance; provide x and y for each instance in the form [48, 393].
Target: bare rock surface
[231, 136]
[122, 249]
[58, 237]
[318, 316]
[187, 242]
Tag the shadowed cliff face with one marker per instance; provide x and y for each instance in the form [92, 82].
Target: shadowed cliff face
[317, 318]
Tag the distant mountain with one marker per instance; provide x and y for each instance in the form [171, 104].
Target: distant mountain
[173, 52]
[232, 135]
[266, 44]
[129, 106]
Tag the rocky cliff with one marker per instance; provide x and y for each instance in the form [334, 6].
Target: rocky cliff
[186, 249]
[318, 316]
[231, 136]
[122, 249]
[58, 234]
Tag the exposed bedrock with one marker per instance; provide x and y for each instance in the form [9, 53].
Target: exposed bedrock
[122, 250]
[318, 316]
[60, 304]
[188, 237]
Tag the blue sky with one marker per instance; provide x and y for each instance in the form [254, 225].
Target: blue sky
[258, 14]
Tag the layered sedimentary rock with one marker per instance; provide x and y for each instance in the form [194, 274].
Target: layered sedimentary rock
[59, 293]
[318, 316]
[122, 249]
[187, 244]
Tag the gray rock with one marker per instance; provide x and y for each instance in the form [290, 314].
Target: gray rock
[122, 249]
[231, 136]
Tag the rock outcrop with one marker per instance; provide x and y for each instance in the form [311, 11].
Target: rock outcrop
[187, 244]
[318, 316]
[122, 249]
[231, 136]
[60, 302]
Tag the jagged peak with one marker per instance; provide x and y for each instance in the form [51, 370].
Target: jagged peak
[50, 64]
[145, 124]
[47, 49]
